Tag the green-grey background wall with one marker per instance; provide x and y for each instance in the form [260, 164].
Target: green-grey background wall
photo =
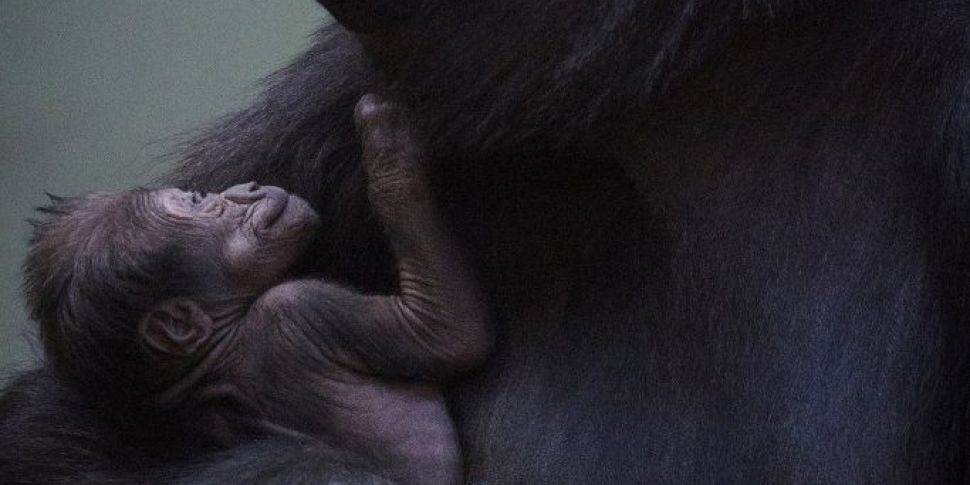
[93, 92]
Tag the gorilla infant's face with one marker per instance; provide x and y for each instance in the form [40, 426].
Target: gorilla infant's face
[256, 232]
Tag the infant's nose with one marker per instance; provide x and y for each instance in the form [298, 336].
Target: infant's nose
[246, 193]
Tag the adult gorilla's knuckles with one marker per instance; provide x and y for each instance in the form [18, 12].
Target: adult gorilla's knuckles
[781, 298]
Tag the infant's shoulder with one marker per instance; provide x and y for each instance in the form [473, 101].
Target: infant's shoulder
[305, 297]
[297, 318]
[289, 293]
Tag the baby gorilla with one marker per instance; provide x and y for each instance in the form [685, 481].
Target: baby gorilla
[170, 301]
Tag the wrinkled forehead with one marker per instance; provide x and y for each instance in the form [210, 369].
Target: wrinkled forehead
[150, 213]
[162, 217]
[169, 196]
[108, 211]
[171, 203]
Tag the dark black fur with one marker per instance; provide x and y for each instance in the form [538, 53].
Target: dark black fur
[364, 16]
[728, 241]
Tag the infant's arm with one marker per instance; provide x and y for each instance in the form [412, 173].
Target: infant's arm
[437, 324]
[439, 304]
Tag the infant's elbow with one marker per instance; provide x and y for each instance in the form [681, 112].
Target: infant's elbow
[456, 341]
[475, 346]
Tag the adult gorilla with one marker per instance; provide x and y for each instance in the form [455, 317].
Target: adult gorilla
[727, 241]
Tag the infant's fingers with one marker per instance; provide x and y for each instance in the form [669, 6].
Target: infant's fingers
[374, 114]
[368, 110]
[392, 151]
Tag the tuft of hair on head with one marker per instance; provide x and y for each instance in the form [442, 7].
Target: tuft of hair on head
[96, 264]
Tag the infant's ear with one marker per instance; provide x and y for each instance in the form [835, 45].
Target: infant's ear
[176, 327]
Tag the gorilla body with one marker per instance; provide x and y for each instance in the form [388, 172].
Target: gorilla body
[726, 241]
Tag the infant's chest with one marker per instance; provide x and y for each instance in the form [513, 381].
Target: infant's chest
[404, 428]
[386, 414]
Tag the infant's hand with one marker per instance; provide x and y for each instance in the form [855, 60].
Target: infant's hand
[391, 146]
[393, 155]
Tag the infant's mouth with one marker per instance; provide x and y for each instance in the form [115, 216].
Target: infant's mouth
[267, 211]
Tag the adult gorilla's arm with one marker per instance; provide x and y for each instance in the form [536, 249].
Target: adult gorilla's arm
[51, 436]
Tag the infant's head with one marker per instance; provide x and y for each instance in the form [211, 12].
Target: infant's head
[127, 288]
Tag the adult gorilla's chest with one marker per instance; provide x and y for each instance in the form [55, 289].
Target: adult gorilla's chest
[729, 295]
